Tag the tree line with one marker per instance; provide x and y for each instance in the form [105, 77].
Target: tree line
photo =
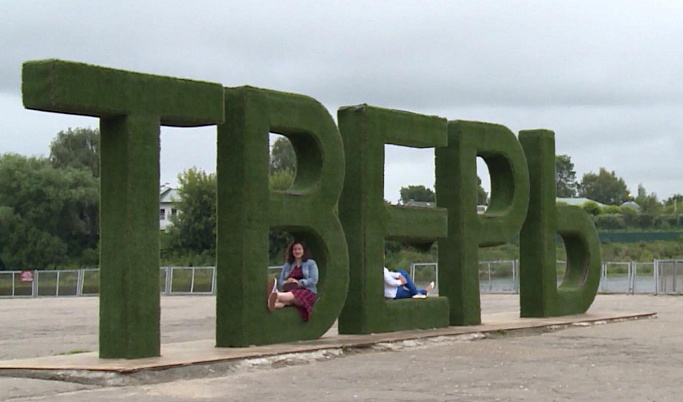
[608, 189]
[49, 206]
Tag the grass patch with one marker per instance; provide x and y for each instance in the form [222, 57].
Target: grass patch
[73, 352]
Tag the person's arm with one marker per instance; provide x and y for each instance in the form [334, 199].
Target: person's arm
[312, 278]
[391, 278]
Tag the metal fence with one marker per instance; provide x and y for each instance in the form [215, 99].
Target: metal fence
[656, 277]
[668, 276]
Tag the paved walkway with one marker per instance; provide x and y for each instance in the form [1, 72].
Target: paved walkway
[552, 359]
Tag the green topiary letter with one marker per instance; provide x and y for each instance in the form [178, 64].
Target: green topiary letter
[539, 293]
[131, 107]
[247, 210]
[456, 190]
[368, 221]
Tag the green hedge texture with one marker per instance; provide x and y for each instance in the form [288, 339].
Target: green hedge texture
[338, 208]
[368, 221]
[539, 294]
[247, 210]
[456, 190]
[131, 107]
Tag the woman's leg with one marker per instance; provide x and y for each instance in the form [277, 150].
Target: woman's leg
[426, 290]
[403, 293]
[286, 299]
[282, 299]
[409, 284]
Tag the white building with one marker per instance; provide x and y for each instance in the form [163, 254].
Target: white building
[168, 201]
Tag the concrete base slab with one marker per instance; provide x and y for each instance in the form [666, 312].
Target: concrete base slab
[204, 352]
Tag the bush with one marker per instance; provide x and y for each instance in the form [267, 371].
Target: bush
[89, 258]
[610, 210]
[610, 221]
[644, 220]
[629, 216]
[665, 221]
[591, 207]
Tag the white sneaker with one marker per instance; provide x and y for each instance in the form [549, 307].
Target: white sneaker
[272, 299]
[430, 287]
[419, 296]
[272, 285]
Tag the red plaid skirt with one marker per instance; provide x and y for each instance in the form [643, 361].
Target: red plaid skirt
[304, 296]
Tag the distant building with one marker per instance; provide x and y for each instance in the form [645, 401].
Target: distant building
[168, 206]
[576, 201]
[632, 205]
[423, 204]
[420, 204]
[482, 208]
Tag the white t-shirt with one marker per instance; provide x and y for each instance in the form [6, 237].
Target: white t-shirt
[391, 283]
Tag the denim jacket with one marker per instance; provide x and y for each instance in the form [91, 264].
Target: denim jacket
[310, 271]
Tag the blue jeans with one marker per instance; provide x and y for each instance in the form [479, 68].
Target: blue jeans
[408, 290]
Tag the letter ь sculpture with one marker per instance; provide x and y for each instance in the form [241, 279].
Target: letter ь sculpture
[539, 294]
[335, 203]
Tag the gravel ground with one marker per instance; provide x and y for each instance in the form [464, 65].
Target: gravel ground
[628, 360]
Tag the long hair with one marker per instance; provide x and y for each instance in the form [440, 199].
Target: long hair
[289, 255]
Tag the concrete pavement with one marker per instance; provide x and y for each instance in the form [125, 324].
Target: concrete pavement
[595, 355]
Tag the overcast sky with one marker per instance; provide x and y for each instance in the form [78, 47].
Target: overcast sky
[605, 76]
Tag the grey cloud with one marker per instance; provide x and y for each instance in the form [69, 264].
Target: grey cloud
[605, 76]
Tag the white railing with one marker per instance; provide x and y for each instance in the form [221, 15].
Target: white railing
[656, 277]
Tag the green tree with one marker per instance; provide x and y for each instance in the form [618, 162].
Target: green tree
[282, 156]
[77, 148]
[482, 195]
[423, 194]
[676, 198]
[194, 229]
[649, 204]
[45, 214]
[604, 187]
[565, 177]
[280, 180]
[278, 240]
[674, 204]
[417, 193]
[193, 233]
[27, 247]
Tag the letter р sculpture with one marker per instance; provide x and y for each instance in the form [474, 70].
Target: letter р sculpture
[335, 203]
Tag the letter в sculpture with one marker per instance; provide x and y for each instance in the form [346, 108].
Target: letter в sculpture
[456, 190]
[131, 107]
[368, 221]
[247, 210]
[539, 294]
